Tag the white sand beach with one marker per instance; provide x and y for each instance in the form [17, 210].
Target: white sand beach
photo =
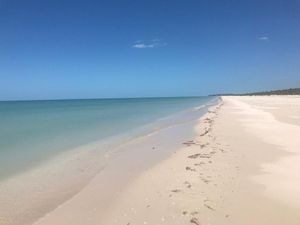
[241, 168]
[150, 112]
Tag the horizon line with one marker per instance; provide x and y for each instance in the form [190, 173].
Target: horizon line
[103, 98]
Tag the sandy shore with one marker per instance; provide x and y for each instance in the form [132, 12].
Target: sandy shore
[242, 167]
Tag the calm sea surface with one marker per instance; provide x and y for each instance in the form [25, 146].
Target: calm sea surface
[32, 131]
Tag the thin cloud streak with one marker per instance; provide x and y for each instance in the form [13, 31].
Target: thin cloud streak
[154, 43]
[264, 38]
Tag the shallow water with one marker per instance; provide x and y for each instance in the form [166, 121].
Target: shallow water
[50, 150]
[34, 131]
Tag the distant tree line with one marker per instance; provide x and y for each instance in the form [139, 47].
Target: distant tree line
[291, 91]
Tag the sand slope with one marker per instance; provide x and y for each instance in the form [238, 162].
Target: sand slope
[242, 168]
[238, 170]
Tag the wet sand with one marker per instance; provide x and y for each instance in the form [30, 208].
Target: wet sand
[130, 160]
[241, 167]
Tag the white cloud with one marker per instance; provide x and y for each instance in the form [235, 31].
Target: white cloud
[263, 38]
[154, 43]
[142, 45]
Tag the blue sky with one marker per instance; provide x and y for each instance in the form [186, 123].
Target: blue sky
[93, 49]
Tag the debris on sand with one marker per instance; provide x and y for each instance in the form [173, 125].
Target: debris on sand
[189, 168]
[194, 156]
[209, 207]
[176, 190]
[205, 132]
[194, 213]
[195, 221]
[189, 143]
[205, 180]
[199, 164]
[188, 185]
[200, 155]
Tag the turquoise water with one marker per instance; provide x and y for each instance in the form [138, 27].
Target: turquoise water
[32, 131]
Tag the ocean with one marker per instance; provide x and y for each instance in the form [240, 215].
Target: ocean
[32, 131]
[50, 149]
